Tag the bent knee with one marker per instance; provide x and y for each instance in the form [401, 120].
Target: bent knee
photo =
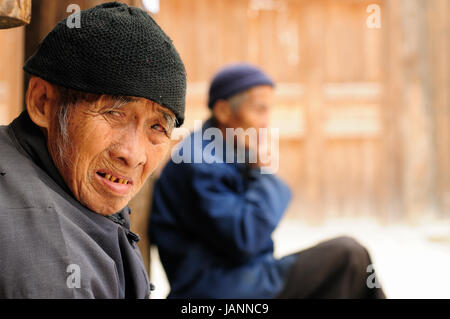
[352, 251]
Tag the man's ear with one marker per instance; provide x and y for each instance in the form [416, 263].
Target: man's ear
[222, 112]
[41, 98]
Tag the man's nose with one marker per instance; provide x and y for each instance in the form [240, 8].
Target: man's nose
[265, 119]
[130, 149]
[264, 123]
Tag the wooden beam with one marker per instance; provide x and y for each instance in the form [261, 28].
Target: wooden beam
[14, 13]
[314, 142]
[417, 117]
[408, 117]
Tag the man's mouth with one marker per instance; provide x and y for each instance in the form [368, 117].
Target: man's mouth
[117, 184]
[114, 179]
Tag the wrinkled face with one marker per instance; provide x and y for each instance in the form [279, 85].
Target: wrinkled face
[252, 112]
[254, 109]
[109, 152]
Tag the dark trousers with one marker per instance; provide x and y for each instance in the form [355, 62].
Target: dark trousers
[335, 268]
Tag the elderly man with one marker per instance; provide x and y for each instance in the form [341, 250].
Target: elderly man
[212, 221]
[100, 107]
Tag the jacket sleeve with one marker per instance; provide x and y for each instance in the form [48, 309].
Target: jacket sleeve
[237, 222]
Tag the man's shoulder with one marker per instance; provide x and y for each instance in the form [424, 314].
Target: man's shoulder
[20, 185]
[41, 246]
[6, 143]
[43, 253]
[199, 153]
[10, 153]
[193, 170]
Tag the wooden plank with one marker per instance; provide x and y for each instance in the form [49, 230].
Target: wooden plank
[356, 121]
[314, 143]
[11, 74]
[392, 191]
[419, 162]
[439, 57]
[352, 91]
[409, 141]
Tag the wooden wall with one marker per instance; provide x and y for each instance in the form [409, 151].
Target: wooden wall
[363, 112]
[329, 70]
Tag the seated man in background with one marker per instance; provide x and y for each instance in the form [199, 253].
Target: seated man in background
[100, 107]
[212, 219]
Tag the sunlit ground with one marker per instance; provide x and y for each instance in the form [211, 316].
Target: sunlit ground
[410, 261]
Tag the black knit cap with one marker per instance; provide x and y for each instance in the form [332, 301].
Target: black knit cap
[118, 50]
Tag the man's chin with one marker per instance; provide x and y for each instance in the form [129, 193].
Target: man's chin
[107, 209]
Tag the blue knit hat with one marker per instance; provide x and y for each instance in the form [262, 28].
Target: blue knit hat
[236, 78]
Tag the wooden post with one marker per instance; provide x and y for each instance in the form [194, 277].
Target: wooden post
[314, 143]
[410, 151]
[393, 201]
[14, 13]
[417, 119]
[439, 44]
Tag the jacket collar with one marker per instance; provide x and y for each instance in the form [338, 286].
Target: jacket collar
[33, 143]
[211, 123]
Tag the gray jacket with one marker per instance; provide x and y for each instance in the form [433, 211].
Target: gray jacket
[50, 245]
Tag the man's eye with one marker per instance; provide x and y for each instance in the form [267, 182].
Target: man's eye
[159, 128]
[114, 113]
